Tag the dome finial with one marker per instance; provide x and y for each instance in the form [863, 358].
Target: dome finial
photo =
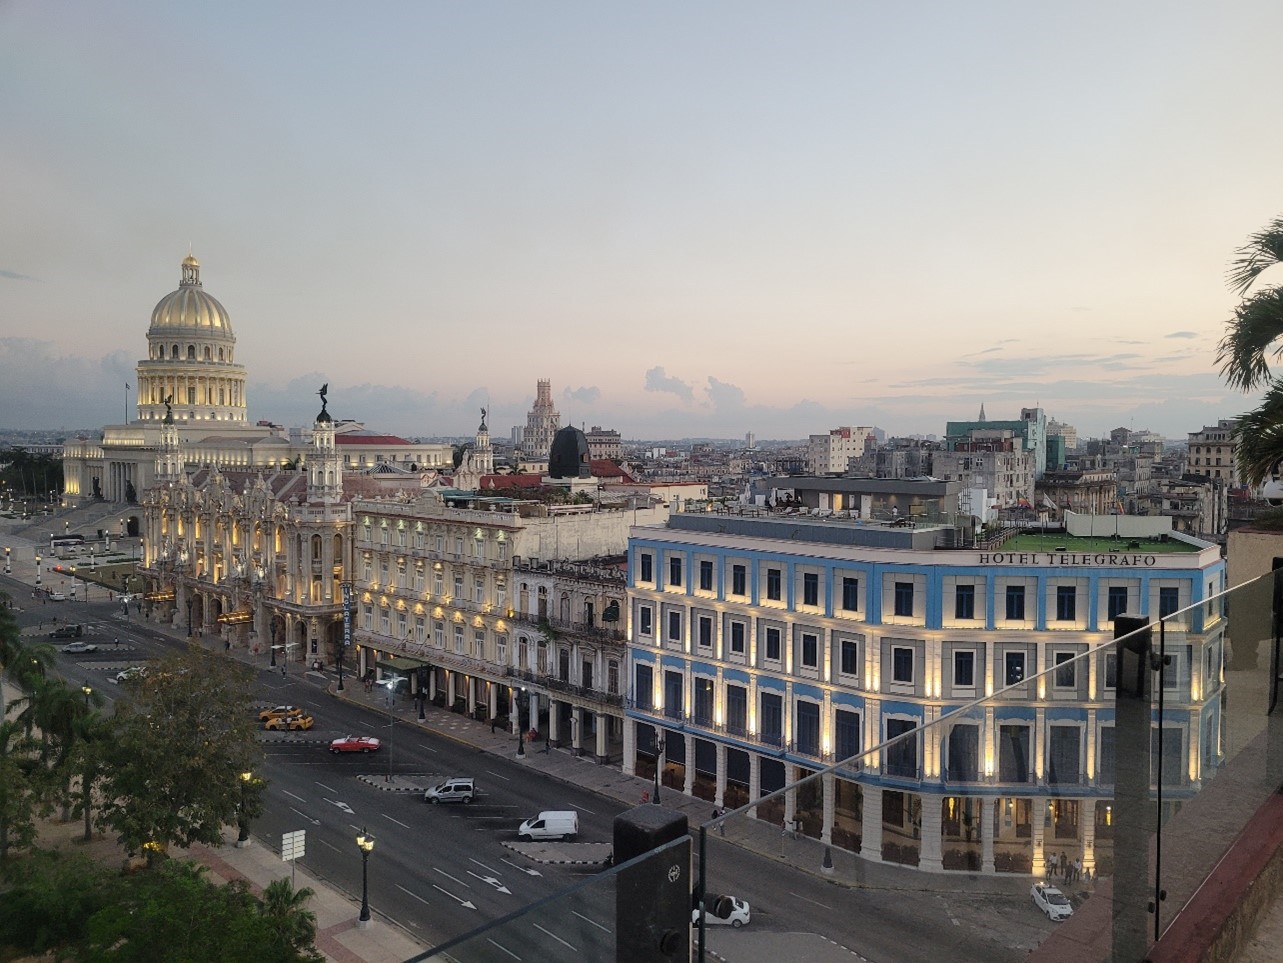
[191, 270]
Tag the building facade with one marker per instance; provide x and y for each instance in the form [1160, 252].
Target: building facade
[542, 423]
[1213, 452]
[759, 655]
[831, 453]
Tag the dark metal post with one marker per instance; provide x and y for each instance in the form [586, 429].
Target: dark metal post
[189, 618]
[272, 648]
[659, 761]
[1133, 816]
[653, 896]
[366, 842]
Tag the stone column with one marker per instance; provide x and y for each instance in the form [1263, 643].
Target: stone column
[576, 730]
[1088, 810]
[492, 698]
[790, 795]
[1039, 832]
[689, 786]
[871, 825]
[554, 722]
[754, 781]
[986, 833]
[449, 690]
[719, 800]
[929, 857]
[603, 737]
[534, 710]
[629, 765]
[830, 797]
[469, 693]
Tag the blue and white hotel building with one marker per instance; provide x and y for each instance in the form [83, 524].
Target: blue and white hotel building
[764, 647]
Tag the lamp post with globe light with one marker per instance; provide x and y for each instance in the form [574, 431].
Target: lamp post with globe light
[38, 561]
[88, 691]
[243, 839]
[366, 842]
[8, 568]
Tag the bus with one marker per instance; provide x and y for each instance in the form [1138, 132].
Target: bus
[65, 541]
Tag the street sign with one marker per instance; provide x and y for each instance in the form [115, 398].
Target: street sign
[293, 845]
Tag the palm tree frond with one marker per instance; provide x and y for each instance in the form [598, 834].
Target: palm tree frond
[1263, 250]
[1257, 324]
[1260, 438]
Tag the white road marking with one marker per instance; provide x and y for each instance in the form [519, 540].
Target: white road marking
[326, 788]
[593, 922]
[497, 884]
[504, 948]
[424, 745]
[482, 865]
[331, 845]
[522, 869]
[397, 821]
[292, 796]
[555, 937]
[455, 878]
[467, 904]
[314, 822]
[811, 901]
[415, 895]
[583, 810]
[497, 776]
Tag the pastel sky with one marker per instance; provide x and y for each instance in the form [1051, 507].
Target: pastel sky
[696, 219]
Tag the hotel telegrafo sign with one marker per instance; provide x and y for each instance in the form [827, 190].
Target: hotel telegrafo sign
[1110, 559]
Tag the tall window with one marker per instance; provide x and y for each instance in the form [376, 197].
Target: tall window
[739, 580]
[1117, 601]
[1169, 600]
[675, 571]
[806, 731]
[1066, 603]
[810, 588]
[849, 657]
[964, 754]
[673, 704]
[647, 567]
[644, 691]
[705, 575]
[705, 631]
[850, 594]
[847, 730]
[737, 709]
[810, 651]
[964, 602]
[703, 700]
[1013, 753]
[1015, 603]
[1065, 670]
[772, 719]
[904, 598]
[645, 620]
[902, 756]
[902, 664]
[458, 639]
[674, 626]
[773, 584]
[1063, 755]
[773, 644]
[1013, 668]
[737, 638]
[964, 670]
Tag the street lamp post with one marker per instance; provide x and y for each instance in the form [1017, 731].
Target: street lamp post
[189, 617]
[38, 561]
[390, 685]
[88, 691]
[8, 567]
[272, 647]
[243, 839]
[521, 732]
[73, 583]
[659, 761]
[366, 842]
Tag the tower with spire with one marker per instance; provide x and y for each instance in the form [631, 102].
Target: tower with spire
[169, 458]
[324, 472]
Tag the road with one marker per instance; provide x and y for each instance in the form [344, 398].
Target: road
[441, 871]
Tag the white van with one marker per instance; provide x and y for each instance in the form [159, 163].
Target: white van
[551, 824]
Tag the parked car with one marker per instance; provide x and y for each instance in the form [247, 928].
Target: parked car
[722, 911]
[550, 824]
[67, 632]
[57, 597]
[278, 711]
[289, 722]
[1051, 901]
[458, 789]
[75, 648]
[130, 673]
[355, 744]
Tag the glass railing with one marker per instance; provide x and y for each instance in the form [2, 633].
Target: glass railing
[1070, 813]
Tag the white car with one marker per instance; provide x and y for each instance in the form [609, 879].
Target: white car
[1051, 901]
[129, 674]
[57, 597]
[723, 911]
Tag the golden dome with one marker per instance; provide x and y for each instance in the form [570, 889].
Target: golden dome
[190, 308]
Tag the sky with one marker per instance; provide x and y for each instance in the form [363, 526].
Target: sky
[696, 219]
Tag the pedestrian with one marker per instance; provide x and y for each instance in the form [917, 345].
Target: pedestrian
[493, 721]
[1078, 869]
[227, 645]
[116, 643]
[282, 669]
[645, 795]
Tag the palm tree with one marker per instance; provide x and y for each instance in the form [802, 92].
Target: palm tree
[1254, 334]
[294, 924]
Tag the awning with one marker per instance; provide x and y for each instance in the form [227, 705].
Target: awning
[400, 663]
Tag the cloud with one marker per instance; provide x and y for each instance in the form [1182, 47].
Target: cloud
[724, 395]
[658, 380]
[586, 395]
[15, 276]
[1182, 334]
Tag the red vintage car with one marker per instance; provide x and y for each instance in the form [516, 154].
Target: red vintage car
[354, 744]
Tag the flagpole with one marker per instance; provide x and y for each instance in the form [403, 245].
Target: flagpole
[126, 402]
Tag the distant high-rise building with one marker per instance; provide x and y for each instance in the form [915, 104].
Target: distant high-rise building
[750, 440]
[604, 443]
[1213, 452]
[831, 453]
[541, 423]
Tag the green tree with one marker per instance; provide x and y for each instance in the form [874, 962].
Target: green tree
[291, 922]
[181, 739]
[21, 787]
[19, 660]
[1253, 336]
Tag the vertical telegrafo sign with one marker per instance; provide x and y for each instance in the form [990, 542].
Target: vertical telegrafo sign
[347, 614]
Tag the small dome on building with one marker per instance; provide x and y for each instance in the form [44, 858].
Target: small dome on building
[569, 455]
[190, 308]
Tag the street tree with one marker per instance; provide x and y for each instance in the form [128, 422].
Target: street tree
[22, 787]
[1253, 337]
[182, 737]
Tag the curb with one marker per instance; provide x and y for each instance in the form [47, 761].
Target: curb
[548, 861]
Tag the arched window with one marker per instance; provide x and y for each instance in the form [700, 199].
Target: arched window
[208, 354]
[191, 352]
[173, 352]
[220, 354]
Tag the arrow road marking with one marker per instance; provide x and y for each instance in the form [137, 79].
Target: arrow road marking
[314, 822]
[482, 865]
[342, 805]
[415, 895]
[523, 869]
[466, 904]
[455, 878]
[492, 881]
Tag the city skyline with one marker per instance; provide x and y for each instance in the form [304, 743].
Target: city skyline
[695, 222]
